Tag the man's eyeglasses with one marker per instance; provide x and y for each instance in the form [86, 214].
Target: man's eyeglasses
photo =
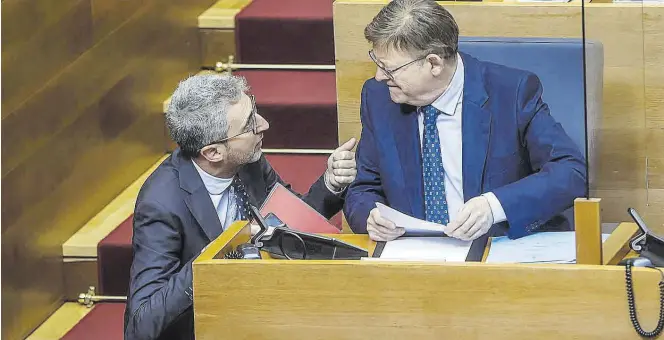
[249, 126]
[390, 73]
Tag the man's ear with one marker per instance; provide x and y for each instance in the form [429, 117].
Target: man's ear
[437, 64]
[214, 153]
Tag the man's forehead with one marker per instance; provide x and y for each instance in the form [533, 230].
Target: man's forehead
[391, 54]
[241, 109]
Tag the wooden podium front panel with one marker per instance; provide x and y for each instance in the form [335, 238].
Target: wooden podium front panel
[275, 299]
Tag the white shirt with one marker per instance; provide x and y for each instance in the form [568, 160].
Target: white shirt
[221, 196]
[451, 145]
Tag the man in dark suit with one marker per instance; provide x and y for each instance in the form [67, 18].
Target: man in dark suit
[454, 140]
[199, 191]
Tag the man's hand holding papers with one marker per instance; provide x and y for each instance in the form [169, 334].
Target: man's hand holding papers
[415, 245]
[411, 226]
[382, 228]
[474, 220]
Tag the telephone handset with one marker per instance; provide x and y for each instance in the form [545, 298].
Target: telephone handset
[651, 255]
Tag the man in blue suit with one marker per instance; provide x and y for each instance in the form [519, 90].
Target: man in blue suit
[454, 140]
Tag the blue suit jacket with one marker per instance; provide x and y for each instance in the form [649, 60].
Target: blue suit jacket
[174, 220]
[511, 146]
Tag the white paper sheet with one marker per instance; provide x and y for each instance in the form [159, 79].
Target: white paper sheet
[414, 226]
[426, 249]
[545, 247]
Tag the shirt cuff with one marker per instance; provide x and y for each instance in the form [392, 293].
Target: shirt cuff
[331, 189]
[496, 207]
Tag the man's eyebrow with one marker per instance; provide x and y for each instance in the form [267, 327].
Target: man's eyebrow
[246, 121]
[380, 62]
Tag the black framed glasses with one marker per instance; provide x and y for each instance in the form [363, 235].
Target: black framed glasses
[249, 126]
[390, 73]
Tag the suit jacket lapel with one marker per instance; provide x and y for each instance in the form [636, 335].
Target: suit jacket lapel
[202, 209]
[476, 128]
[198, 200]
[407, 142]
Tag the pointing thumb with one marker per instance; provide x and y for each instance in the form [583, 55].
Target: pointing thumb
[349, 145]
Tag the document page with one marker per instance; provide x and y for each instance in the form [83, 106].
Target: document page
[545, 247]
[414, 226]
[445, 249]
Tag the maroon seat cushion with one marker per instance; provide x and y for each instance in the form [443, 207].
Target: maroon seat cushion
[105, 321]
[114, 257]
[285, 32]
[301, 107]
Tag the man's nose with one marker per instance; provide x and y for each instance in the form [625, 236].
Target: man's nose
[263, 125]
[380, 75]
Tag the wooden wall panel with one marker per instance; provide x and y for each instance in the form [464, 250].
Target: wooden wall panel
[653, 23]
[109, 15]
[79, 274]
[653, 55]
[30, 17]
[216, 45]
[631, 143]
[75, 142]
[56, 33]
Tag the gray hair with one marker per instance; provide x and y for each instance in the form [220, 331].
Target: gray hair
[197, 113]
[418, 27]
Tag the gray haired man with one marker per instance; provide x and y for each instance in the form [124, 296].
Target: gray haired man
[199, 191]
[452, 139]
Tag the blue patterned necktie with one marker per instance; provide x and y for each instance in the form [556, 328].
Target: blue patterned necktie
[241, 199]
[435, 202]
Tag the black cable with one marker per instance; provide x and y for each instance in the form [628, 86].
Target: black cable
[281, 244]
[632, 305]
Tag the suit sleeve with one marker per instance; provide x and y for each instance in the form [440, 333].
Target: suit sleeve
[559, 166]
[367, 188]
[160, 287]
[318, 197]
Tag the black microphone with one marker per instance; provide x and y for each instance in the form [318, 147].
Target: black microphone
[244, 251]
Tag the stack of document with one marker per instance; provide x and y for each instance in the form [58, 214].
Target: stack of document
[414, 226]
[417, 244]
[546, 247]
[443, 249]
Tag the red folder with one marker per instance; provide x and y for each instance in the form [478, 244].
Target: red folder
[295, 213]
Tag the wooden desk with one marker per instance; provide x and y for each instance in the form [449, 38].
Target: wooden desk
[281, 299]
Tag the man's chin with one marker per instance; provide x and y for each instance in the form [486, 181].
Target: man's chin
[257, 156]
[397, 95]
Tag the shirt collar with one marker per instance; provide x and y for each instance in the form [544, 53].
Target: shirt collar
[214, 185]
[447, 102]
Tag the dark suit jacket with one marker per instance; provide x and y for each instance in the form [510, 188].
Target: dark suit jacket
[174, 220]
[511, 146]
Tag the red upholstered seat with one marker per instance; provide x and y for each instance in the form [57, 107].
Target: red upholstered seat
[114, 257]
[299, 170]
[299, 105]
[285, 32]
[105, 321]
[114, 253]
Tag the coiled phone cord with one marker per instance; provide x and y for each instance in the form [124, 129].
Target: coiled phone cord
[632, 306]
